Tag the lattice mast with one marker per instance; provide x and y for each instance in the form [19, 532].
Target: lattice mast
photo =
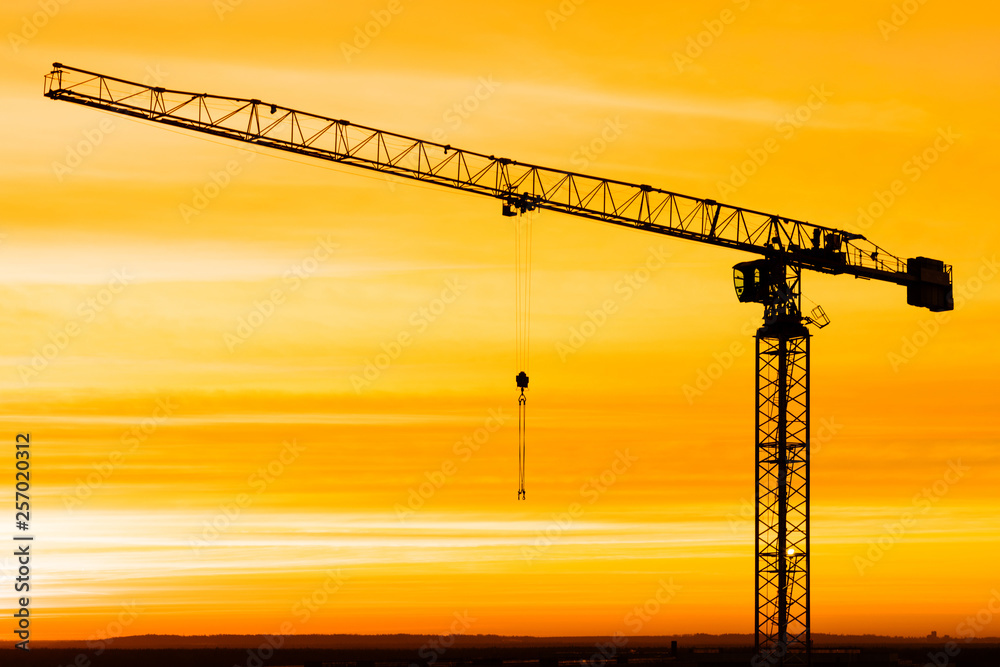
[782, 630]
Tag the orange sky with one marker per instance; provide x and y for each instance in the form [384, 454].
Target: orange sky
[304, 471]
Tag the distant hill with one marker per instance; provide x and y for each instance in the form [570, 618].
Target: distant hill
[414, 642]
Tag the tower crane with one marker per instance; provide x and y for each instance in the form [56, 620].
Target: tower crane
[784, 247]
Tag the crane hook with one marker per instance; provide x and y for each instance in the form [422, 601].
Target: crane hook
[522, 383]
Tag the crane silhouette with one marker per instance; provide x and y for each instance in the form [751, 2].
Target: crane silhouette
[786, 247]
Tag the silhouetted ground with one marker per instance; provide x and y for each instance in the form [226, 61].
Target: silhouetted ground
[487, 651]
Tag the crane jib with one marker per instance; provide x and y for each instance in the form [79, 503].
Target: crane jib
[520, 186]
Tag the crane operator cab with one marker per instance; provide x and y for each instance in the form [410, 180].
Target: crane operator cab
[753, 280]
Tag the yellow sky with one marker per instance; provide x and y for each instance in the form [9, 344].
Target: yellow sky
[176, 425]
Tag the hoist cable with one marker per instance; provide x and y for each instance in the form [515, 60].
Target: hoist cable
[522, 302]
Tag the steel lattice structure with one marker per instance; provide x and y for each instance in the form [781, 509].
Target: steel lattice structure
[782, 519]
[787, 247]
[520, 184]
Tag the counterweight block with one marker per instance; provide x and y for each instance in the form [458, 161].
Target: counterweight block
[932, 288]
